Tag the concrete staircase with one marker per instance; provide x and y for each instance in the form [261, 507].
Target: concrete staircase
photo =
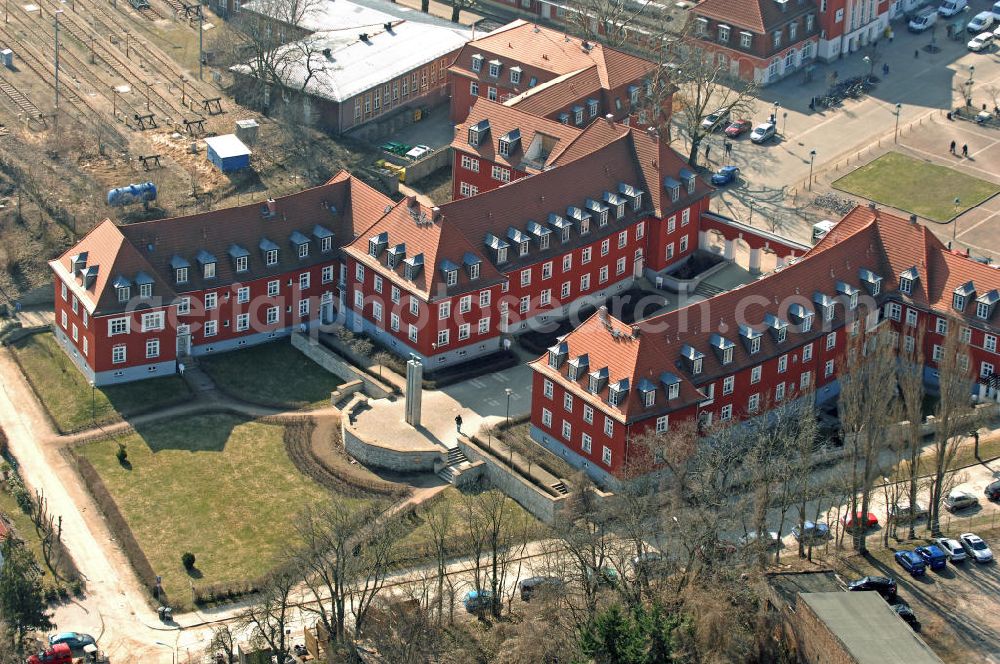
[196, 378]
[560, 488]
[456, 458]
[707, 290]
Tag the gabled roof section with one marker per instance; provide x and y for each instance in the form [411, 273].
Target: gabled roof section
[542, 140]
[439, 243]
[759, 16]
[551, 96]
[115, 259]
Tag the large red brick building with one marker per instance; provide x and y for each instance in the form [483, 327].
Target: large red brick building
[447, 284]
[734, 355]
[549, 74]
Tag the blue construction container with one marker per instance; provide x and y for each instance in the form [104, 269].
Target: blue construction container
[228, 153]
[134, 193]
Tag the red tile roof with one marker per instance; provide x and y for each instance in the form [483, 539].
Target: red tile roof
[759, 16]
[869, 239]
[545, 99]
[504, 119]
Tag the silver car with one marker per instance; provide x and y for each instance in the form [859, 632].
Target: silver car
[976, 547]
[960, 500]
[952, 547]
[763, 132]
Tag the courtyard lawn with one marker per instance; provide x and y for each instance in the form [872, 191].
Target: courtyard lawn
[273, 374]
[68, 397]
[216, 485]
[916, 186]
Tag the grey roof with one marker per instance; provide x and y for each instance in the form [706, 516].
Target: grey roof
[989, 297]
[143, 278]
[267, 245]
[322, 231]
[236, 251]
[910, 273]
[868, 629]
[178, 262]
[205, 257]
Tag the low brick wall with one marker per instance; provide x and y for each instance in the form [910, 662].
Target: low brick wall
[335, 364]
[418, 170]
[404, 461]
[543, 506]
[345, 390]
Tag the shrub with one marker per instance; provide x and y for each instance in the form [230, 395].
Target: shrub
[63, 593]
[122, 454]
[187, 559]
[76, 587]
[362, 346]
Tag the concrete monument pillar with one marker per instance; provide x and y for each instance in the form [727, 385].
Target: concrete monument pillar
[414, 390]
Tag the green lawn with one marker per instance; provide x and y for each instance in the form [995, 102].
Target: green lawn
[216, 485]
[68, 397]
[273, 374]
[25, 529]
[916, 186]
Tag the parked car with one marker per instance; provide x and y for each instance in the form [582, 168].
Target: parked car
[772, 538]
[649, 564]
[75, 640]
[952, 7]
[923, 20]
[981, 42]
[996, 10]
[58, 654]
[976, 547]
[933, 556]
[726, 175]
[418, 152]
[992, 490]
[763, 132]
[606, 576]
[738, 127]
[713, 121]
[906, 613]
[883, 585]
[859, 520]
[981, 22]
[960, 500]
[812, 532]
[903, 513]
[952, 547]
[911, 562]
[540, 584]
[477, 601]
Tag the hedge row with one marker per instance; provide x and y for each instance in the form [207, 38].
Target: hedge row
[117, 524]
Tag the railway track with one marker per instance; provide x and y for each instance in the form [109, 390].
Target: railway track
[20, 100]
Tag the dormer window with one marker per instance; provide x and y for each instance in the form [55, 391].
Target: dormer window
[209, 270]
[825, 304]
[647, 392]
[477, 62]
[503, 147]
[696, 366]
[578, 366]
[145, 290]
[618, 392]
[963, 294]
[778, 327]
[451, 277]
[524, 245]
[515, 75]
[637, 202]
[802, 316]
[751, 339]
[985, 304]
[673, 188]
[502, 255]
[396, 255]
[540, 233]
[558, 354]
[598, 210]
[412, 267]
[472, 265]
[850, 292]
[564, 118]
[672, 384]
[871, 281]
[495, 66]
[723, 348]
[906, 280]
[181, 275]
[578, 115]
[689, 179]
[270, 250]
[497, 247]
[692, 359]
[124, 293]
[597, 380]
[303, 250]
[592, 107]
[377, 244]
[478, 132]
[633, 94]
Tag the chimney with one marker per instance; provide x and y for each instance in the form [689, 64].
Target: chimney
[602, 313]
[363, 37]
[635, 331]
[387, 26]
[913, 219]
[411, 201]
[328, 54]
[435, 213]
[610, 118]
[871, 206]
[272, 207]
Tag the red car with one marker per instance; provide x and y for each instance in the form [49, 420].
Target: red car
[737, 128]
[57, 654]
[852, 522]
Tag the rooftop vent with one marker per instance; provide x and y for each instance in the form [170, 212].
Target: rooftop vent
[328, 54]
[387, 26]
[363, 37]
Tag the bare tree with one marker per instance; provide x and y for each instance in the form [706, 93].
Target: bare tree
[266, 619]
[458, 6]
[953, 416]
[371, 566]
[613, 22]
[438, 519]
[223, 643]
[868, 406]
[910, 376]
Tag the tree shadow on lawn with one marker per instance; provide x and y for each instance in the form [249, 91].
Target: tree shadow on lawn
[194, 572]
[202, 433]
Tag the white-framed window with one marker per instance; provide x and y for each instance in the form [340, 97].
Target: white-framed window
[685, 216]
[567, 430]
[444, 310]
[606, 455]
[394, 322]
[211, 301]
[941, 326]
[546, 417]
[465, 304]
[524, 304]
[211, 328]
[491, 93]
[546, 270]
[755, 375]
[359, 272]
[464, 331]
[568, 402]
[640, 230]
[990, 343]
[118, 354]
[271, 257]
[965, 335]
[377, 312]
[586, 443]
[304, 281]
[64, 320]
[985, 370]
[152, 348]
[745, 39]
[783, 364]
[303, 308]
[828, 369]
[272, 288]
[605, 247]
[547, 388]
[376, 283]
[831, 341]
[911, 317]
[684, 244]
[620, 265]
[326, 276]
[726, 413]
[474, 88]
[670, 251]
[602, 275]
[115, 325]
[414, 306]
[588, 413]
[937, 353]
[243, 294]
[63, 290]
[585, 282]
[807, 352]
[526, 277]
[242, 322]
[359, 300]
[779, 392]
[484, 298]
[564, 290]
[443, 338]
[303, 250]
[805, 380]
[662, 423]
[470, 163]
[272, 315]
[609, 426]
[411, 333]
[152, 321]
[76, 333]
[501, 174]
[567, 263]
[484, 325]
[727, 384]
[893, 311]
[545, 297]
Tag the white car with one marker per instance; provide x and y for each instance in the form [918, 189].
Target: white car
[981, 42]
[953, 548]
[762, 132]
[952, 7]
[976, 547]
[418, 151]
[980, 23]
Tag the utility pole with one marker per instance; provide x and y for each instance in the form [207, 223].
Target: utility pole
[201, 35]
[57, 14]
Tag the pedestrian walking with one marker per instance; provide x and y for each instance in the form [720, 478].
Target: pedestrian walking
[707, 149]
[952, 149]
[916, 54]
[729, 148]
[885, 69]
[458, 423]
[965, 150]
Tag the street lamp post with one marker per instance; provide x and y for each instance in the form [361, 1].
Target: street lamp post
[58, 13]
[774, 116]
[93, 402]
[784, 122]
[968, 86]
[899, 107]
[954, 222]
[173, 651]
[509, 392]
[812, 159]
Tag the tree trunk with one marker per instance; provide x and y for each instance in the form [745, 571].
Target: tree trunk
[455, 11]
[425, 5]
[693, 155]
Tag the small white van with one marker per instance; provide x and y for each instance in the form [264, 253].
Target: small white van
[924, 20]
[952, 7]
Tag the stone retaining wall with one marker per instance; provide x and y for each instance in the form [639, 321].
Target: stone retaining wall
[404, 461]
[335, 364]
